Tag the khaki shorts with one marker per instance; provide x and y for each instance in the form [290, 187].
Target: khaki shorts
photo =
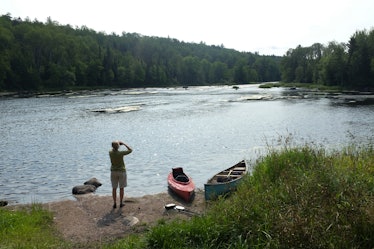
[118, 178]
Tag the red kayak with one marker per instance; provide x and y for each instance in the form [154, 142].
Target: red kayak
[181, 184]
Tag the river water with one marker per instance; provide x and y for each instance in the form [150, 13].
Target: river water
[49, 144]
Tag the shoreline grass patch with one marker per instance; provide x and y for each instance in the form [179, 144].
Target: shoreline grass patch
[28, 227]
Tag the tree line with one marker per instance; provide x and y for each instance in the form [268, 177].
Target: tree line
[346, 65]
[42, 56]
[39, 56]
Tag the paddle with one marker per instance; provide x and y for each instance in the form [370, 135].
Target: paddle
[182, 209]
[170, 206]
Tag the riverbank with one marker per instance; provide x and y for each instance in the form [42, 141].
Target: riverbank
[294, 198]
[91, 219]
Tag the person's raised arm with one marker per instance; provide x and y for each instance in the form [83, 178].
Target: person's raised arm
[128, 147]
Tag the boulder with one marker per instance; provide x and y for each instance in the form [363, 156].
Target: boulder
[93, 181]
[83, 189]
[3, 203]
[89, 186]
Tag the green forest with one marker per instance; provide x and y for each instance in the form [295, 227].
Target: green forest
[37, 56]
[347, 65]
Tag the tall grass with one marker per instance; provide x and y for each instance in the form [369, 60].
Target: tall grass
[296, 198]
[29, 227]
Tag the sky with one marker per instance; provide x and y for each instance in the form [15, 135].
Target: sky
[268, 27]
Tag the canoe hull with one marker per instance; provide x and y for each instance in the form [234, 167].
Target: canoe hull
[225, 181]
[184, 189]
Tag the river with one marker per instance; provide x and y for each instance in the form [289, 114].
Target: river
[51, 143]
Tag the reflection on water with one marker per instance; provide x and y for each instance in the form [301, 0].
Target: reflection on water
[52, 143]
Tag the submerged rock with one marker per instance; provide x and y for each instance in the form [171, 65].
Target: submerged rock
[89, 186]
[93, 181]
[83, 189]
[3, 203]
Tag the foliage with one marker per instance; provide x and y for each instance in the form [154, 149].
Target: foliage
[131, 242]
[348, 65]
[296, 198]
[46, 56]
[37, 56]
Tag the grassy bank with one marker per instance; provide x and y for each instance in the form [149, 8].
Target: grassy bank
[304, 197]
[296, 198]
[28, 227]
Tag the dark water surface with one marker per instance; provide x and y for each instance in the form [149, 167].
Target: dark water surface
[50, 144]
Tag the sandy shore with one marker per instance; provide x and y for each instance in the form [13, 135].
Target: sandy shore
[91, 218]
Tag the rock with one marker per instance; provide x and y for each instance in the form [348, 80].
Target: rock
[3, 203]
[83, 189]
[130, 221]
[93, 181]
[89, 186]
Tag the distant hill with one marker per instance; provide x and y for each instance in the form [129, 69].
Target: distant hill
[43, 56]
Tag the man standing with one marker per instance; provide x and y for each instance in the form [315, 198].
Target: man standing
[118, 174]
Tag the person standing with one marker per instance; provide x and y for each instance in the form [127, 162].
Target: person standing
[118, 175]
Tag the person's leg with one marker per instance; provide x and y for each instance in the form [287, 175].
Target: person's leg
[114, 179]
[122, 184]
[121, 193]
[114, 195]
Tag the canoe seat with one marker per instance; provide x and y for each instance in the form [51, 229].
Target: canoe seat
[232, 175]
[223, 179]
[177, 171]
[235, 173]
[179, 175]
[181, 178]
[222, 175]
